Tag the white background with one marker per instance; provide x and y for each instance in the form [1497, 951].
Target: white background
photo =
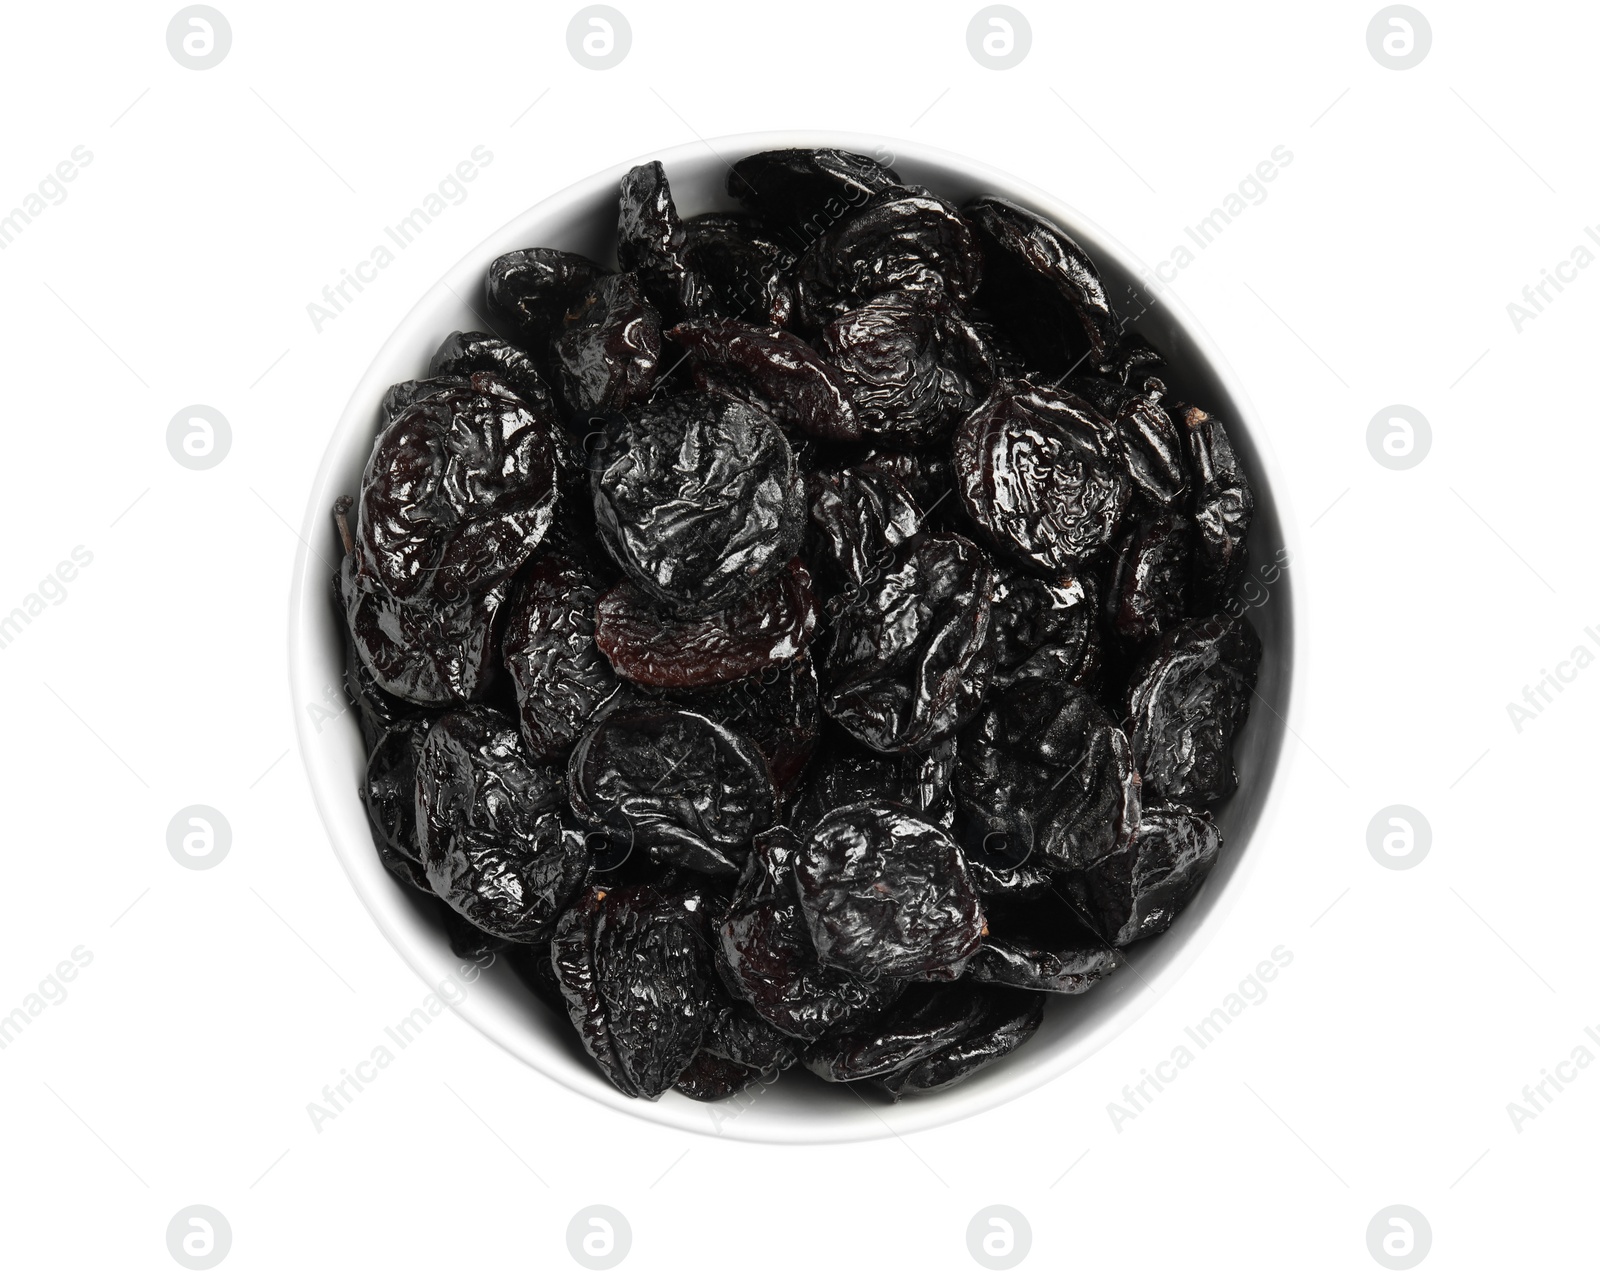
[1377, 271]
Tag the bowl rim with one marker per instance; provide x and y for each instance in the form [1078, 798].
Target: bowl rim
[309, 609]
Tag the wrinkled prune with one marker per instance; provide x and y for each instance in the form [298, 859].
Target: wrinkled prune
[492, 842]
[632, 963]
[1042, 286]
[777, 708]
[1042, 475]
[847, 773]
[1150, 440]
[1149, 585]
[774, 372]
[1137, 892]
[886, 895]
[531, 290]
[457, 493]
[1013, 1017]
[389, 792]
[912, 365]
[859, 518]
[651, 242]
[1041, 628]
[738, 272]
[1046, 949]
[1223, 502]
[739, 1049]
[653, 647]
[806, 191]
[927, 1019]
[1044, 772]
[698, 500]
[903, 239]
[910, 656]
[560, 678]
[609, 348]
[1187, 701]
[687, 790]
[463, 353]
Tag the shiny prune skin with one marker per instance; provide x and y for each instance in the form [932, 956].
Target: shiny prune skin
[457, 493]
[673, 784]
[1044, 947]
[859, 518]
[1148, 590]
[766, 958]
[489, 827]
[1044, 773]
[655, 648]
[632, 963]
[738, 1050]
[1187, 701]
[698, 500]
[463, 353]
[902, 239]
[737, 272]
[530, 290]
[560, 678]
[846, 773]
[1224, 503]
[926, 1020]
[608, 351]
[1151, 443]
[774, 372]
[389, 793]
[1013, 1016]
[1040, 628]
[912, 365]
[432, 655]
[1042, 287]
[910, 657]
[803, 192]
[1042, 476]
[777, 708]
[1138, 892]
[651, 242]
[886, 895]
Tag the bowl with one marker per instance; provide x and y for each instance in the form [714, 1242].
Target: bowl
[798, 1108]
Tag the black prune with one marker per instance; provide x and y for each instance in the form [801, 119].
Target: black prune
[1150, 440]
[859, 518]
[698, 500]
[805, 191]
[686, 790]
[560, 678]
[910, 656]
[886, 895]
[847, 773]
[1013, 1017]
[902, 239]
[737, 272]
[1223, 503]
[530, 291]
[609, 348]
[653, 647]
[1040, 628]
[389, 793]
[927, 1019]
[1042, 475]
[463, 353]
[773, 371]
[492, 841]
[651, 242]
[1042, 287]
[777, 708]
[1046, 949]
[1137, 892]
[457, 493]
[632, 963]
[1148, 590]
[911, 363]
[1187, 701]
[739, 1049]
[766, 958]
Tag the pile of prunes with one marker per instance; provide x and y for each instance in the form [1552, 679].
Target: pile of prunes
[809, 642]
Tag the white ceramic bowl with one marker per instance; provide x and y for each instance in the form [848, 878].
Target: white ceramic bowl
[798, 1108]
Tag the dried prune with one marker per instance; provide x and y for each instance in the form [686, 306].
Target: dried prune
[463, 353]
[698, 500]
[1042, 475]
[902, 239]
[777, 708]
[1186, 703]
[858, 519]
[910, 656]
[1150, 440]
[774, 372]
[806, 191]
[739, 1049]
[1047, 949]
[766, 958]
[389, 792]
[651, 242]
[687, 790]
[609, 347]
[1042, 286]
[493, 844]
[737, 272]
[1148, 589]
[927, 1019]
[1137, 892]
[530, 290]
[847, 773]
[911, 363]
[560, 678]
[1013, 1017]
[1044, 772]
[886, 895]
[632, 962]
[1040, 628]
[1223, 502]
[457, 493]
[655, 648]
